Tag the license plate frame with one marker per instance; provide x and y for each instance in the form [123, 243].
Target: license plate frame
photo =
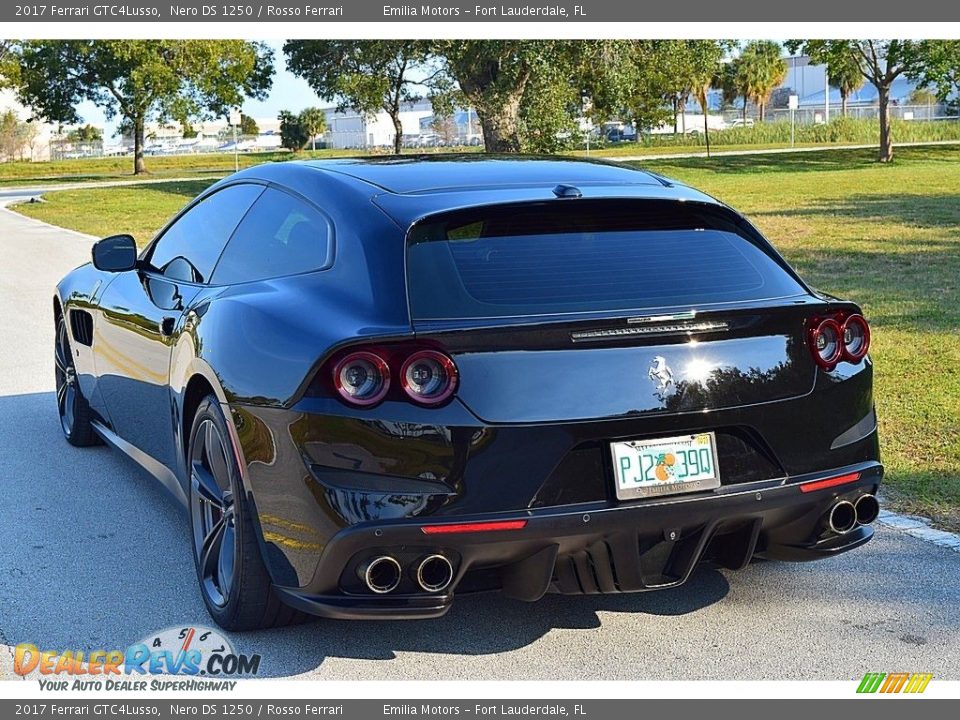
[633, 489]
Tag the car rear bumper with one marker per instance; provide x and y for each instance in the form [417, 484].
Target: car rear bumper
[630, 547]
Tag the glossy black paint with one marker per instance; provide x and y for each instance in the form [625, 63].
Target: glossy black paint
[524, 436]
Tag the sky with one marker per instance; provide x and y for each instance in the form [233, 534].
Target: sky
[288, 93]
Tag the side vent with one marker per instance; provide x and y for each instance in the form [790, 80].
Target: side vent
[81, 326]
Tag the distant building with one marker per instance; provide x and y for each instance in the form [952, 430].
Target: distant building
[353, 130]
[461, 128]
[167, 138]
[808, 81]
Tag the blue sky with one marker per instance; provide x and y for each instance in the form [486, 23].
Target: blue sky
[288, 93]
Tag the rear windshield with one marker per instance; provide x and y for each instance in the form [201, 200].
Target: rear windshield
[576, 256]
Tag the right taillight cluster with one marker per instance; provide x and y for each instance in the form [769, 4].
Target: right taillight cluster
[837, 339]
[364, 377]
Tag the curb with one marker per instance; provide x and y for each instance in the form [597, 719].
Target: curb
[919, 528]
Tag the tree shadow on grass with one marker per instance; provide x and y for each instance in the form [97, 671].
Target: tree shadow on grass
[923, 211]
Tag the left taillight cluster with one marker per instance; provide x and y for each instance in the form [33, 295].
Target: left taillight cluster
[838, 338]
[364, 377]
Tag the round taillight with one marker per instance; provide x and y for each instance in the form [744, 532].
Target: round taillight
[429, 377]
[362, 378]
[856, 338]
[826, 343]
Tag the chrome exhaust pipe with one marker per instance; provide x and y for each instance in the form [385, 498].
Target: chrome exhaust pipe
[868, 508]
[381, 574]
[842, 517]
[434, 573]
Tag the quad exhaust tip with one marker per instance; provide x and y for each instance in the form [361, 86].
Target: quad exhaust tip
[868, 509]
[842, 517]
[434, 573]
[381, 575]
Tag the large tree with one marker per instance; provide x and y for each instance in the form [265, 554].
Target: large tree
[8, 66]
[495, 75]
[881, 62]
[631, 80]
[368, 76]
[141, 80]
[939, 68]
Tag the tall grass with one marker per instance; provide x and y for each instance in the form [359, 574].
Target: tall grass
[839, 130]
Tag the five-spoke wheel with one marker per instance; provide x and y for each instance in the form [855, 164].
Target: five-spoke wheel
[213, 513]
[234, 581]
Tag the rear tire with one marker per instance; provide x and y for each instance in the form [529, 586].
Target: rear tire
[234, 581]
[75, 414]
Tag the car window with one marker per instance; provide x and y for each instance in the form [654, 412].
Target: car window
[586, 256]
[189, 248]
[281, 235]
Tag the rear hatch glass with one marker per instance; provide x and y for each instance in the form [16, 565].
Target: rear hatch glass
[583, 256]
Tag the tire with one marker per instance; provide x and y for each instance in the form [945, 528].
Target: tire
[233, 578]
[75, 414]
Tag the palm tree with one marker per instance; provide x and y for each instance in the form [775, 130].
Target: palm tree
[314, 121]
[843, 70]
[701, 91]
[758, 71]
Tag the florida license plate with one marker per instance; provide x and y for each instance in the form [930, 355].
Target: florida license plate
[665, 466]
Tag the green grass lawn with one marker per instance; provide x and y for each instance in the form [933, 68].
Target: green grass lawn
[887, 236]
[121, 168]
[218, 164]
[161, 166]
[140, 210]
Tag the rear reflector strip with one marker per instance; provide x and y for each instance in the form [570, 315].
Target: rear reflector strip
[490, 526]
[815, 485]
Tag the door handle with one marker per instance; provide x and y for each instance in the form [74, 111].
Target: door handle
[167, 325]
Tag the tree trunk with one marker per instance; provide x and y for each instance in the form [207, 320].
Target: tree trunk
[886, 137]
[501, 127]
[843, 102]
[744, 110]
[683, 118]
[676, 110]
[706, 129]
[397, 132]
[138, 132]
[763, 106]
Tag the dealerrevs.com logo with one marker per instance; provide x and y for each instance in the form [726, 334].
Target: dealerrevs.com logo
[891, 683]
[194, 651]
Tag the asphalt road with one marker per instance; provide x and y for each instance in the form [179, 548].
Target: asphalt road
[94, 555]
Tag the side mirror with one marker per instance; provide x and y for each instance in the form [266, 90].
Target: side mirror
[116, 253]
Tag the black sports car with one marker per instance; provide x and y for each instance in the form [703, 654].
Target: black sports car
[375, 383]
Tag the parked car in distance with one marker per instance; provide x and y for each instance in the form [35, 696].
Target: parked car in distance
[377, 384]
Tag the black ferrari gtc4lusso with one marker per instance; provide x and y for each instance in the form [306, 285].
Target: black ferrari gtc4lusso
[377, 383]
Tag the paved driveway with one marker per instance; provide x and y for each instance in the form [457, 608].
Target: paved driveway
[94, 555]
